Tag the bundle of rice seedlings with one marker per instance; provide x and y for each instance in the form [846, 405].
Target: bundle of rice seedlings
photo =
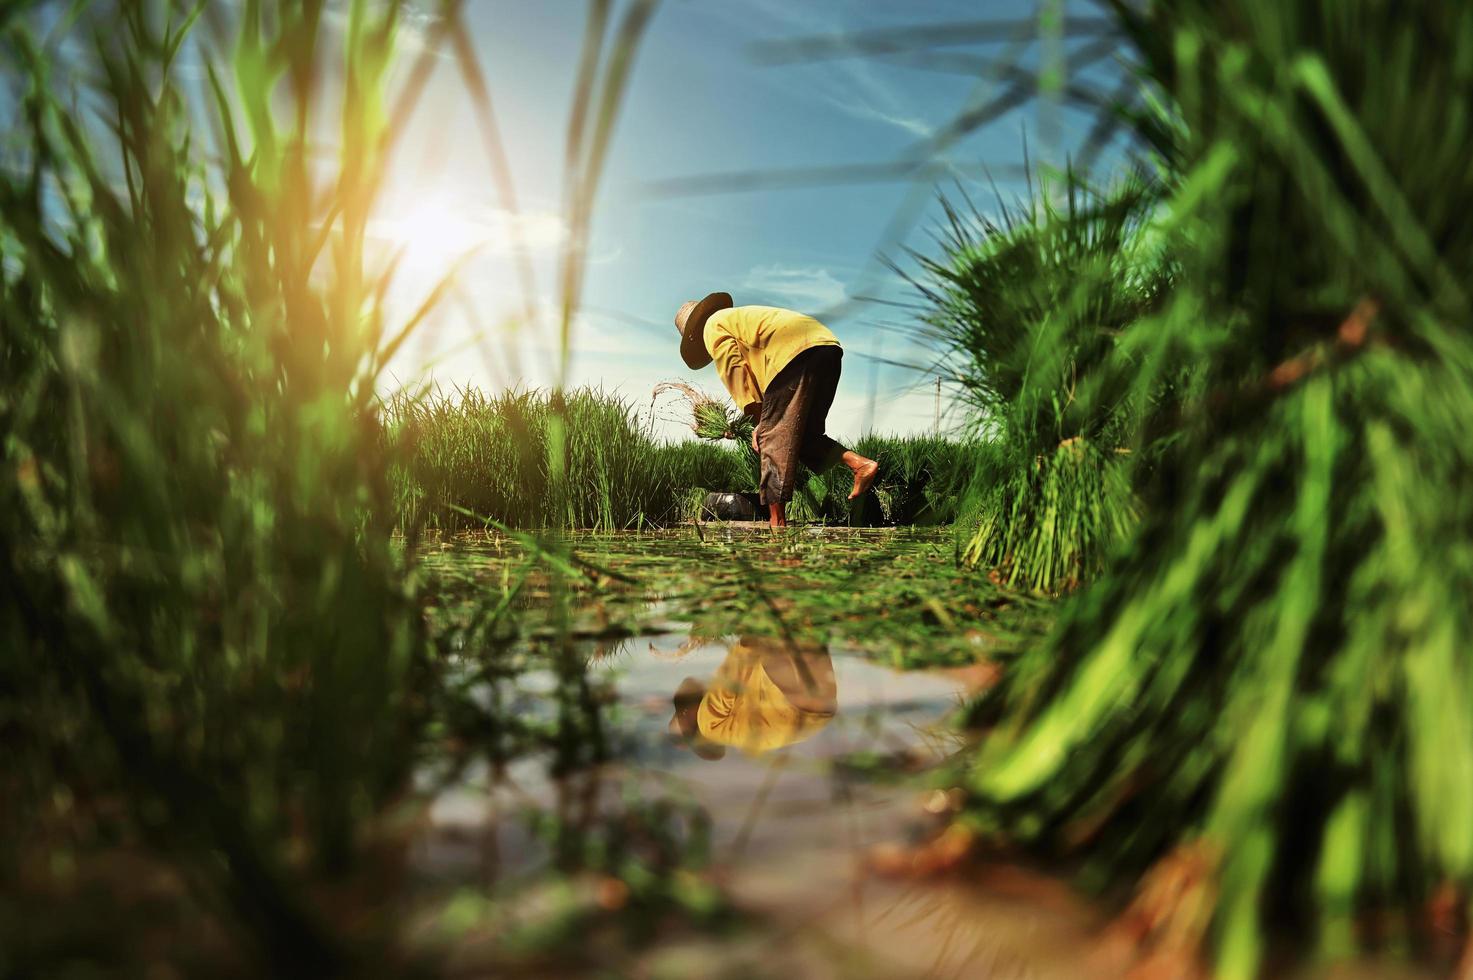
[710, 418]
[1274, 686]
[923, 480]
[1047, 528]
[1029, 308]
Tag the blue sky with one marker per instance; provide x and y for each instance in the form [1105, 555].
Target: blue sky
[703, 102]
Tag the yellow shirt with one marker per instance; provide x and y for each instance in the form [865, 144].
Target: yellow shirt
[751, 344]
[747, 710]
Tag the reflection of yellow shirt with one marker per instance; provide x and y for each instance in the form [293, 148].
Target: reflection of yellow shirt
[751, 344]
[746, 710]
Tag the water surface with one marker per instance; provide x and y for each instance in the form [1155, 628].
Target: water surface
[803, 761]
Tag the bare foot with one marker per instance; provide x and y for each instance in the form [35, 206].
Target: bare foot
[864, 477]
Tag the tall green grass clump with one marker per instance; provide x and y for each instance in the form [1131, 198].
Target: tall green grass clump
[922, 481]
[922, 478]
[471, 456]
[1028, 308]
[1275, 679]
[212, 662]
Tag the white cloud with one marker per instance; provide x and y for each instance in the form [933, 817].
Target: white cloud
[915, 126]
[847, 81]
[809, 287]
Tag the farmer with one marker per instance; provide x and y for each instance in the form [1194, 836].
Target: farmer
[782, 369]
[767, 694]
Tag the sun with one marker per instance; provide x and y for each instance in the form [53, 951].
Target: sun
[437, 229]
[431, 231]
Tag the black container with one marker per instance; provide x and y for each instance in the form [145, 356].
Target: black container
[731, 507]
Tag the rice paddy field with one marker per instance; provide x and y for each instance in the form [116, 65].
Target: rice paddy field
[1157, 666]
[472, 458]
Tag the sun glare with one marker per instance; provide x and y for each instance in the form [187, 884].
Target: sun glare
[438, 229]
[431, 231]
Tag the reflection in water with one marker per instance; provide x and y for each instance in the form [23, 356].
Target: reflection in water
[768, 693]
[785, 835]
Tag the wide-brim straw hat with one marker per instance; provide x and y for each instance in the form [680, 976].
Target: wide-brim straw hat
[692, 323]
[684, 726]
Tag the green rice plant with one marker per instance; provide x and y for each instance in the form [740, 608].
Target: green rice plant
[469, 456]
[1050, 526]
[473, 456]
[216, 678]
[1030, 307]
[1276, 675]
[922, 480]
[212, 651]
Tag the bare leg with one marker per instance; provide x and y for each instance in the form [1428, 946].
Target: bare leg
[865, 470]
[777, 514]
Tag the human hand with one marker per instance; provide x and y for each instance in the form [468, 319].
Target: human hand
[754, 442]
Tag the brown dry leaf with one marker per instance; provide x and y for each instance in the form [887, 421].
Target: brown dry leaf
[611, 894]
[941, 854]
[1166, 923]
[978, 676]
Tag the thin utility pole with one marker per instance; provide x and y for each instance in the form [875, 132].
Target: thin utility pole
[937, 430]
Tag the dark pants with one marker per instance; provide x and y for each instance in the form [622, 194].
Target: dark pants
[795, 407]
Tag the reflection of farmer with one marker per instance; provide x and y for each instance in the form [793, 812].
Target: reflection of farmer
[766, 694]
[782, 368]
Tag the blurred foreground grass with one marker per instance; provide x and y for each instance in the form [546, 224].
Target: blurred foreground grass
[223, 681]
[215, 668]
[221, 672]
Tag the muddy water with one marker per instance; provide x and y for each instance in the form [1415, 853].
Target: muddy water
[774, 746]
[683, 807]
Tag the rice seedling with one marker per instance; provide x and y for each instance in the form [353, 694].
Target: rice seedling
[923, 481]
[1273, 683]
[835, 587]
[472, 456]
[711, 419]
[1029, 308]
[1052, 526]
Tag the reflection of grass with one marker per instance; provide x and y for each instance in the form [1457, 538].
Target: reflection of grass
[611, 863]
